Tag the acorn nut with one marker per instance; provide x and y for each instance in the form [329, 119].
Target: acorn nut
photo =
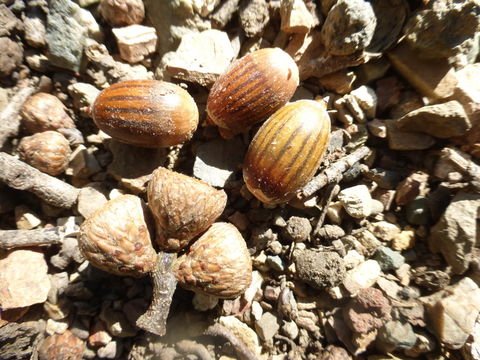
[182, 206]
[48, 151]
[217, 264]
[116, 238]
[286, 151]
[251, 90]
[146, 113]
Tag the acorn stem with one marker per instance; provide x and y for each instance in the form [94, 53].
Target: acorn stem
[164, 283]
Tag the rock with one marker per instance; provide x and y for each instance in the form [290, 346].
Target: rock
[385, 230]
[349, 27]
[296, 19]
[205, 7]
[59, 283]
[135, 42]
[298, 229]
[65, 35]
[435, 33]
[83, 163]
[405, 140]
[425, 343]
[110, 351]
[26, 219]
[203, 302]
[385, 178]
[200, 57]
[240, 220]
[216, 161]
[55, 327]
[275, 263]
[418, 212]
[267, 326]
[434, 78]
[388, 259]
[368, 241]
[119, 13]
[116, 323]
[440, 120]
[23, 278]
[356, 201]
[396, 335]
[353, 259]
[34, 27]
[330, 232]
[99, 335]
[467, 91]
[456, 233]
[340, 81]
[242, 331]
[363, 276]
[254, 287]
[86, 19]
[8, 21]
[368, 311]
[452, 312]
[11, 55]
[36, 61]
[254, 16]
[332, 352]
[68, 253]
[91, 198]
[132, 166]
[367, 99]
[290, 329]
[403, 241]
[411, 187]
[471, 350]
[83, 96]
[372, 70]
[319, 269]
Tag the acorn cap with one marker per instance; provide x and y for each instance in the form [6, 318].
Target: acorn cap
[182, 206]
[217, 264]
[116, 238]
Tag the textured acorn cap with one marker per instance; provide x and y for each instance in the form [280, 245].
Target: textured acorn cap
[217, 264]
[116, 238]
[182, 206]
[286, 151]
[251, 90]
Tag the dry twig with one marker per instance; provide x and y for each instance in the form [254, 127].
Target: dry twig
[21, 176]
[10, 239]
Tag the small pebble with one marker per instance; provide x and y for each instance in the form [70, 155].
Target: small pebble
[356, 201]
[388, 258]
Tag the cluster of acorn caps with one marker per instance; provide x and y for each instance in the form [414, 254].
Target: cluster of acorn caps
[283, 156]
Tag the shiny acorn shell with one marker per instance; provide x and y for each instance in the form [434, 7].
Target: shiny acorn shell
[146, 113]
[286, 151]
[251, 90]
[217, 264]
[116, 238]
[182, 206]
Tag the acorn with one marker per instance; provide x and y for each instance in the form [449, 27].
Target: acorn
[286, 151]
[48, 151]
[116, 238]
[146, 113]
[216, 264]
[42, 112]
[251, 90]
[182, 206]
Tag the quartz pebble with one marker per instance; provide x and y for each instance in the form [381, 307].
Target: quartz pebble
[135, 42]
[367, 99]
[361, 277]
[356, 201]
[267, 326]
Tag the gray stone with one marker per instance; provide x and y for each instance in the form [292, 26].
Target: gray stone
[385, 178]
[298, 229]
[267, 326]
[436, 32]
[68, 253]
[275, 263]
[406, 140]
[203, 302]
[78, 291]
[59, 283]
[388, 259]
[456, 233]
[356, 201]
[349, 27]
[200, 57]
[11, 55]
[117, 323]
[34, 26]
[396, 335]
[254, 17]
[91, 198]
[217, 160]
[440, 120]
[319, 269]
[65, 35]
[453, 312]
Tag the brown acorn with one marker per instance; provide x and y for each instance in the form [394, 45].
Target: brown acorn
[182, 206]
[116, 238]
[286, 151]
[42, 112]
[251, 90]
[216, 264]
[48, 151]
[147, 113]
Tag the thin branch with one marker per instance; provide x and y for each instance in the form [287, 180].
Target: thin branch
[10, 239]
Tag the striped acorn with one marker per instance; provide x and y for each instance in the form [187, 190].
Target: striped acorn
[251, 90]
[286, 151]
[147, 113]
